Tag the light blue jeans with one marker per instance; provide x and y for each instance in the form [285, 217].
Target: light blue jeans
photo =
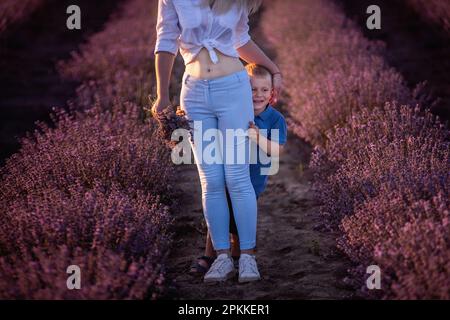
[223, 103]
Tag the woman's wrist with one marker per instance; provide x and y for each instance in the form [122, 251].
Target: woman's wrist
[163, 97]
[275, 70]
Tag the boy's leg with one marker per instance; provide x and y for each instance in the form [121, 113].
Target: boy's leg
[203, 263]
[235, 248]
[209, 249]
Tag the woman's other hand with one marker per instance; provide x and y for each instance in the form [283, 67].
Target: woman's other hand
[180, 112]
[277, 83]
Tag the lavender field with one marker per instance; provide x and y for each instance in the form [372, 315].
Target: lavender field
[89, 180]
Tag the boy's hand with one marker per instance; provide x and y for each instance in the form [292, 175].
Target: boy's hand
[253, 132]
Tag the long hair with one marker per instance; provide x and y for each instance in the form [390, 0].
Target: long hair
[222, 6]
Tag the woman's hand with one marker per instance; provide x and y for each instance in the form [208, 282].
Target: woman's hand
[159, 105]
[277, 83]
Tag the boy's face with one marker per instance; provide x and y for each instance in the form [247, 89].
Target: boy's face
[262, 90]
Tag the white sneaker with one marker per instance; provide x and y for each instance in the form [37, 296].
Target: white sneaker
[248, 270]
[221, 269]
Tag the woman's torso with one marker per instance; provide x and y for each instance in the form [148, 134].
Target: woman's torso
[203, 67]
[200, 25]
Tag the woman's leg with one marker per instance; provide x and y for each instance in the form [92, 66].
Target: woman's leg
[234, 106]
[194, 102]
[231, 99]
[234, 239]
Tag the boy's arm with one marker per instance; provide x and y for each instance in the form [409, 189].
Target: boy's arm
[271, 148]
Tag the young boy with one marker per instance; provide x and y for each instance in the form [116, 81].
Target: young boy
[266, 117]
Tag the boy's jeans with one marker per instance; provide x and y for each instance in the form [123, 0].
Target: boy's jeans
[223, 103]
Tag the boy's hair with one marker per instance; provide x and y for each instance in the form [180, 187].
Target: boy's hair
[254, 69]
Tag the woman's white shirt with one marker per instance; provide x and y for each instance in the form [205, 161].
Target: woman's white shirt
[187, 26]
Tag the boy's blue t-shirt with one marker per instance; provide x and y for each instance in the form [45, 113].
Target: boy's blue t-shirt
[268, 119]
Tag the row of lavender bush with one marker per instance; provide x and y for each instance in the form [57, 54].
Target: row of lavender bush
[116, 64]
[381, 162]
[96, 190]
[13, 11]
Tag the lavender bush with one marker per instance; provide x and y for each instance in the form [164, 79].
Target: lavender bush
[386, 171]
[119, 243]
[91, 185]
[96, 189]
[394, 145]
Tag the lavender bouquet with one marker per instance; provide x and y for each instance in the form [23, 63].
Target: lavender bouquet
[168, 121]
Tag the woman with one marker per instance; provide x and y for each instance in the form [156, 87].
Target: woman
[211, 36]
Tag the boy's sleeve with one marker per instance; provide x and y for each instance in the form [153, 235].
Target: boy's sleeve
[280, 124]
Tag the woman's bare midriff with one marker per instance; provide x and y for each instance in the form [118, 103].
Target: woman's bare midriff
[202, 66]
